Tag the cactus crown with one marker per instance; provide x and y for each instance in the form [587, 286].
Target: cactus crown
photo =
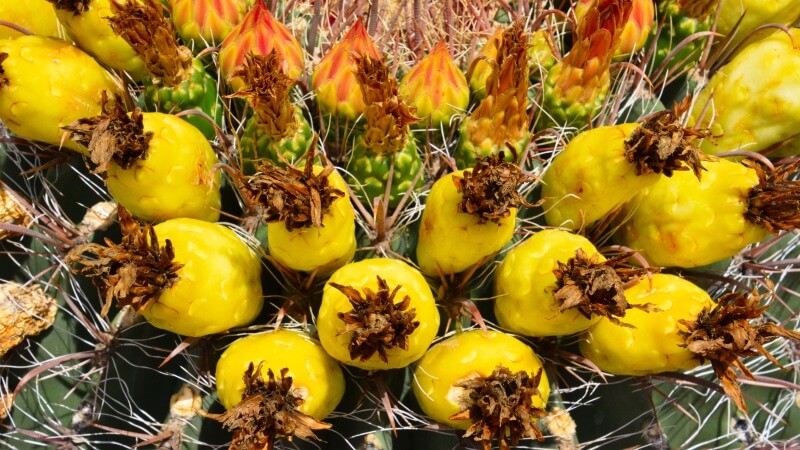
[298, 198]
[113, 136]
[74, 6]
[143, 26]
[267, 90]
[269, 410]
[663, 145]
[724, 335]
[388, 116]
[491, 188]
[500, 407]
[134, 272]
[596, 288]
[377, 323]
[774, 203]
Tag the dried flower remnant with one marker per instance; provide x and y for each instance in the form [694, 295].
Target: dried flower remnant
[24, 311]
[74, 6]
[597, 288]
[114, 136]
[501, 407]
[269, 410]
[298, 198]
[724, 335]
[11, 212]
[663, 145]
[377, 323]
[775, 202]
[134, 272]
[3, 77]
[266, 88]
[491, 188]
[143, 26]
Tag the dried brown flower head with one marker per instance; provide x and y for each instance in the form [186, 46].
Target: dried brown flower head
[143, 26]
[774, 203]
[266, 88]
[491, 188]
[134, 272]
[113, 136]
[298, 198]
[24, 311]
[74, 6]
[269, 410]
[11, 212]
[501, 408]
[663, 145]
[597, 288]
[724, 335]
[387, 115]
[377, 323]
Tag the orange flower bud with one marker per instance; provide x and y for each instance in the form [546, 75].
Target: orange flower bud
[206, 22]
[637, 27]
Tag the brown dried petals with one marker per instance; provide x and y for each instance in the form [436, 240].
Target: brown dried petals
[143, 26]
[724, 335]
[377, 323]
[24, 311]
[698, 9]
[74, 6]
[12, 213]
[298, 198]
[491, 188]
[663, 145]
[267, 90]
[388, 116]
[596, 288]
[775, 202]
[113, 136]
[135, 272]
[502, 408]
[269, 410]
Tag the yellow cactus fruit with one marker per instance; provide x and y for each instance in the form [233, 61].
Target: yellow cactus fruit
[469, 216]
[203, 280]
[46, 84]
[36, 16]
[747, 15]
[475, 365]
[282, 378]
[87, 23]
[377, 314]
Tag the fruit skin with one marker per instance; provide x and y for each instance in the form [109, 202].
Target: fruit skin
[92, 31]
[322, 249]
[206, 22]
[177, 178]
[754, 100]
[591, 177]
[50, 84]
[371, 170]
[37, 16]
[683, 222]
[525, 284]
[257, 145]
[218, 287]
[756, 13]
[318, 376]
[364, 274]
[465, 355]
[334, 82]
[451, 241]
[199, 91]
[654, 346]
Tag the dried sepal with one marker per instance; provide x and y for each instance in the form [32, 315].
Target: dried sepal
[387, 115]
[377, 323]
[143, 26]
[11, 212]
[76, 7]
[24, 311]
[663, 145]
[597, 288]
[3, 78]
[501, 408]
[774, 203]
[491, 188]
[698, 9]
[134, 272]
[113, 136]
[269, 411]
[266, 88]
[297, 197]
[724, 335]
